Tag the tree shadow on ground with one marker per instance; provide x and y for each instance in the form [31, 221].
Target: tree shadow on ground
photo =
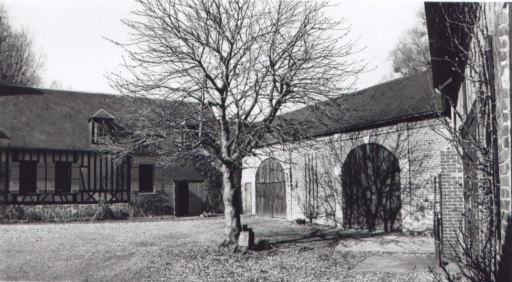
[317, 237]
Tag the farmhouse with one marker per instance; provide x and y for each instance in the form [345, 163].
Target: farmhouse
[373, 161]
[54, 149]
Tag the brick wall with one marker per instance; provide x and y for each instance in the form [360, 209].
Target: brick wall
[503, 19]
[416, 146]
[452, 196]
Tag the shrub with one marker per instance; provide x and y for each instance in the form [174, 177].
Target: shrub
[33, 216]
[146, 205]
[212, 190]
[104, 212]
[262, 245]
[300, 221]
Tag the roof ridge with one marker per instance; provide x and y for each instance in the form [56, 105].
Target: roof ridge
[103, 115]
[358, 92]
[32, 89]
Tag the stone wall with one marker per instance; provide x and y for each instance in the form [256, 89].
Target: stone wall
[502, 16]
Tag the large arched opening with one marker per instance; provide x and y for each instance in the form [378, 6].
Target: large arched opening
[270, 189]
[371, 189]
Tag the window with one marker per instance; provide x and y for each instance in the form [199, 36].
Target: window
[99, 133]
[146, 175]
[28, 177]
[189, 132]
[62, 177]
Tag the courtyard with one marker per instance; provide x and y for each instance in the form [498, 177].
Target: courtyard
[186, 250]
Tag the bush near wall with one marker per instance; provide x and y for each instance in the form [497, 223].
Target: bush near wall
[62, 213]
[158, 204]
[212, 192]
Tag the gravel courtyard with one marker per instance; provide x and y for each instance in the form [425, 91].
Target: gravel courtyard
[181, 250]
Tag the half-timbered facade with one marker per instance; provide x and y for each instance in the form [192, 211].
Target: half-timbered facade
[55, 149]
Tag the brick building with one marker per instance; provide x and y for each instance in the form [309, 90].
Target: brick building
[385, 140]
[470, 49]
[54, 154]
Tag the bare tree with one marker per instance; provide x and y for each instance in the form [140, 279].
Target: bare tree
[411, 54]
[309, 204]
[244, 61]
[19, 64]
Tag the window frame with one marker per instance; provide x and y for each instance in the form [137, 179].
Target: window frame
[99, 132]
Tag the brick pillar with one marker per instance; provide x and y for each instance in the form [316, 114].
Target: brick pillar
[504, 16]
[452, 196]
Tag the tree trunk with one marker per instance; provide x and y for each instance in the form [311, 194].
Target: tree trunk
[232, 198]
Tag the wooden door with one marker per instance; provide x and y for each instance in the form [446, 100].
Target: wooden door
[270, 189]
[194, 199]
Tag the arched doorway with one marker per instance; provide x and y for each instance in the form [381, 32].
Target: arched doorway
[270, 189]
[371, 189]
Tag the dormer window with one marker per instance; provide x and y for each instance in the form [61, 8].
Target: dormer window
[101, 124]
[99, 133]
[189, 131]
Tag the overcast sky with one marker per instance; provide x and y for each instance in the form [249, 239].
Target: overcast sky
[70, 34]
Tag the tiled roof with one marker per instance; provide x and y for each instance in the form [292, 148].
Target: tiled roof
[102, 114]
[406, 99]
[52, 119]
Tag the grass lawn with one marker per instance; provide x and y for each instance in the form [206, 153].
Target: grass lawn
[178, 250]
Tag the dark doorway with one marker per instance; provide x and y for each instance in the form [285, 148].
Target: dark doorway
[371, 189]
[271, 189]
[182, 198]
[188, 198]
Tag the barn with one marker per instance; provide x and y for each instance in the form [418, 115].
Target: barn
[372, 162]
[54, 152]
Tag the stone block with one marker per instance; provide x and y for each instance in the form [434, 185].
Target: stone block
[505, 179]
[505, 128]
[505, 205]
[502, 30]
[503, 42]
[504, 106]
[503, 56]
[246, 239]
[504, 193]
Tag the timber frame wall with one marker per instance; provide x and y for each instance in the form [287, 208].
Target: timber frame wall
[94, 177]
